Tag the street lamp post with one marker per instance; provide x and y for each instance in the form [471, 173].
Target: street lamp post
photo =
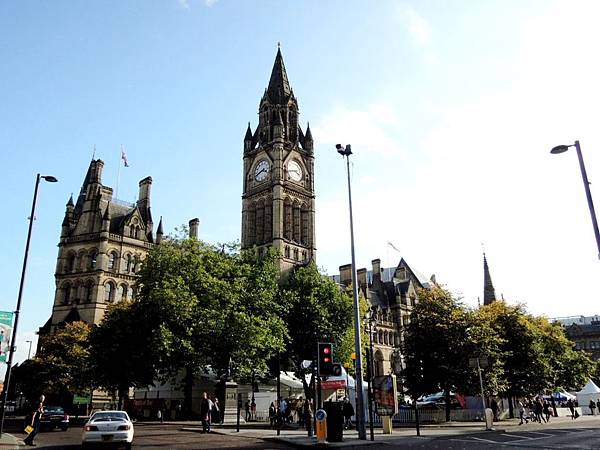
[360, 410]
[586, 185]
[370, 374]
[11, 351]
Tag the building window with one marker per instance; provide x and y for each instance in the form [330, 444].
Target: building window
[112, 261]
[129, 264]
[87, 292]
[71, 263]
[109, 293]
[67, 294]
[122, 292]
[93, 260]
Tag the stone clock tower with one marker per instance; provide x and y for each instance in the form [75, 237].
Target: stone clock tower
[278, 203]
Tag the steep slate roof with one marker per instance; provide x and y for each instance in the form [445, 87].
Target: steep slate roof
[489, 294]
[279, 87]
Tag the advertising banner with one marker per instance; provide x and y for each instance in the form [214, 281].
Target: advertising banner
[6, 320]
[386, 396]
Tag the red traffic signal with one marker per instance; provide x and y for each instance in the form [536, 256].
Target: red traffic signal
[324, 361]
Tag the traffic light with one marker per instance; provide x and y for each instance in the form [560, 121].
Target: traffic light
[325, 359]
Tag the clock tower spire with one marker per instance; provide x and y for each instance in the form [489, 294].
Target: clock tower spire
[278, 202]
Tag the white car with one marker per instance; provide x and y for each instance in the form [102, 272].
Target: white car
[108, 427]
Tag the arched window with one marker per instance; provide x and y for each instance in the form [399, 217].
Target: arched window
[305, 228]
[71, 262]
[260, 221]
[380, 337]
[112, 261]
[67, 293]
[129, 265]
[287, 219]
[122, 293]
[268, 235]
[93, 259]
[378, 359]
[386, 338]
[87, 291]
[297, 225]
[109, 292]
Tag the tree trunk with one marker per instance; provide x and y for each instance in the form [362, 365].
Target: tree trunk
[187, 391]
[511, 412]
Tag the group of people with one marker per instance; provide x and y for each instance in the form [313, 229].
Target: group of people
[537, 410]
[210, 412]
[290, 411]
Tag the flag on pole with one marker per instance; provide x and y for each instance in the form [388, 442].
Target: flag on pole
[393, 246]
[124, 157]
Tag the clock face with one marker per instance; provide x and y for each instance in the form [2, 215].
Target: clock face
[294, 170]
[262, 170]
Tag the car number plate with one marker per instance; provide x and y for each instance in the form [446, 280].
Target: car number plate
[107, 437]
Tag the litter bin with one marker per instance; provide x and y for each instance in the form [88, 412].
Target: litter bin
[335, 421]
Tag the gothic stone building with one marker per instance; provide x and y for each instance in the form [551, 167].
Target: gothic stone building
[392, 293]
[103, 242]
[278, 202]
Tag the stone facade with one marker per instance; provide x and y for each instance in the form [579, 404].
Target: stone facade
[278, 202]
[103, 243]
[392, 293]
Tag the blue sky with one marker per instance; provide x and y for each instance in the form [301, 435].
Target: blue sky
[451, 109]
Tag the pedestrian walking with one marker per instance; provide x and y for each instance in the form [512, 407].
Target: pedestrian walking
[272, 414]
[522, 415]
[348, 411]
[35, 421]
[247, 408]
[159, 416]
[571, 408]
[495, 408]
[592, 407]
[546, 410]
[205, 410]
[538, 409]
[216, 411]
[598, 405]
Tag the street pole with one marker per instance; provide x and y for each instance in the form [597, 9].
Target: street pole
[370, 377]
[481, 385]
[360, 409]
[279, 417]
[588, 194]
[29, 353]
[12, 348]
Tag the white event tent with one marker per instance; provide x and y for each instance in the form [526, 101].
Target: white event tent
[589, 392]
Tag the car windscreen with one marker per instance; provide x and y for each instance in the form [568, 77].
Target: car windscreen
[108, 416]
[54, 410]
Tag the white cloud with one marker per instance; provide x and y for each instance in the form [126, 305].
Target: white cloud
[373, 129]
[488, 176]
[417, 26]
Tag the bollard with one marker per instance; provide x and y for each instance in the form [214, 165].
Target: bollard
[387, 424]
[489, 419]
[321, 419]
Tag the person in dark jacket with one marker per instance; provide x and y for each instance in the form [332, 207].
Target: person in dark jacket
[206, 406]
[348, 411]
[35, 422]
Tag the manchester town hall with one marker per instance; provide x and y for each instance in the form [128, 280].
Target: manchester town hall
[103, 240]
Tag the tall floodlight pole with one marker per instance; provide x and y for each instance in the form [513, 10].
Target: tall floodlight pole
[12, 348]
[586, 185]
[360, 410]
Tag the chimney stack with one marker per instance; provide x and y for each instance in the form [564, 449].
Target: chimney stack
[194, 225]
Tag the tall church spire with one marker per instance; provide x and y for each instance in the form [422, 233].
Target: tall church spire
[489, 294]
[279, 87]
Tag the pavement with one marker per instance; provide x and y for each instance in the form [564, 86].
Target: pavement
[299, 439]
[8, 441]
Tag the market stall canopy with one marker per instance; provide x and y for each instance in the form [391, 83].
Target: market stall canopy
[589, 388]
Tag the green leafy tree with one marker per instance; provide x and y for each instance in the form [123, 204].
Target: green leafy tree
[120, 351]
[437, 345]
[61, 368]
[316, 310]
[204, 305]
